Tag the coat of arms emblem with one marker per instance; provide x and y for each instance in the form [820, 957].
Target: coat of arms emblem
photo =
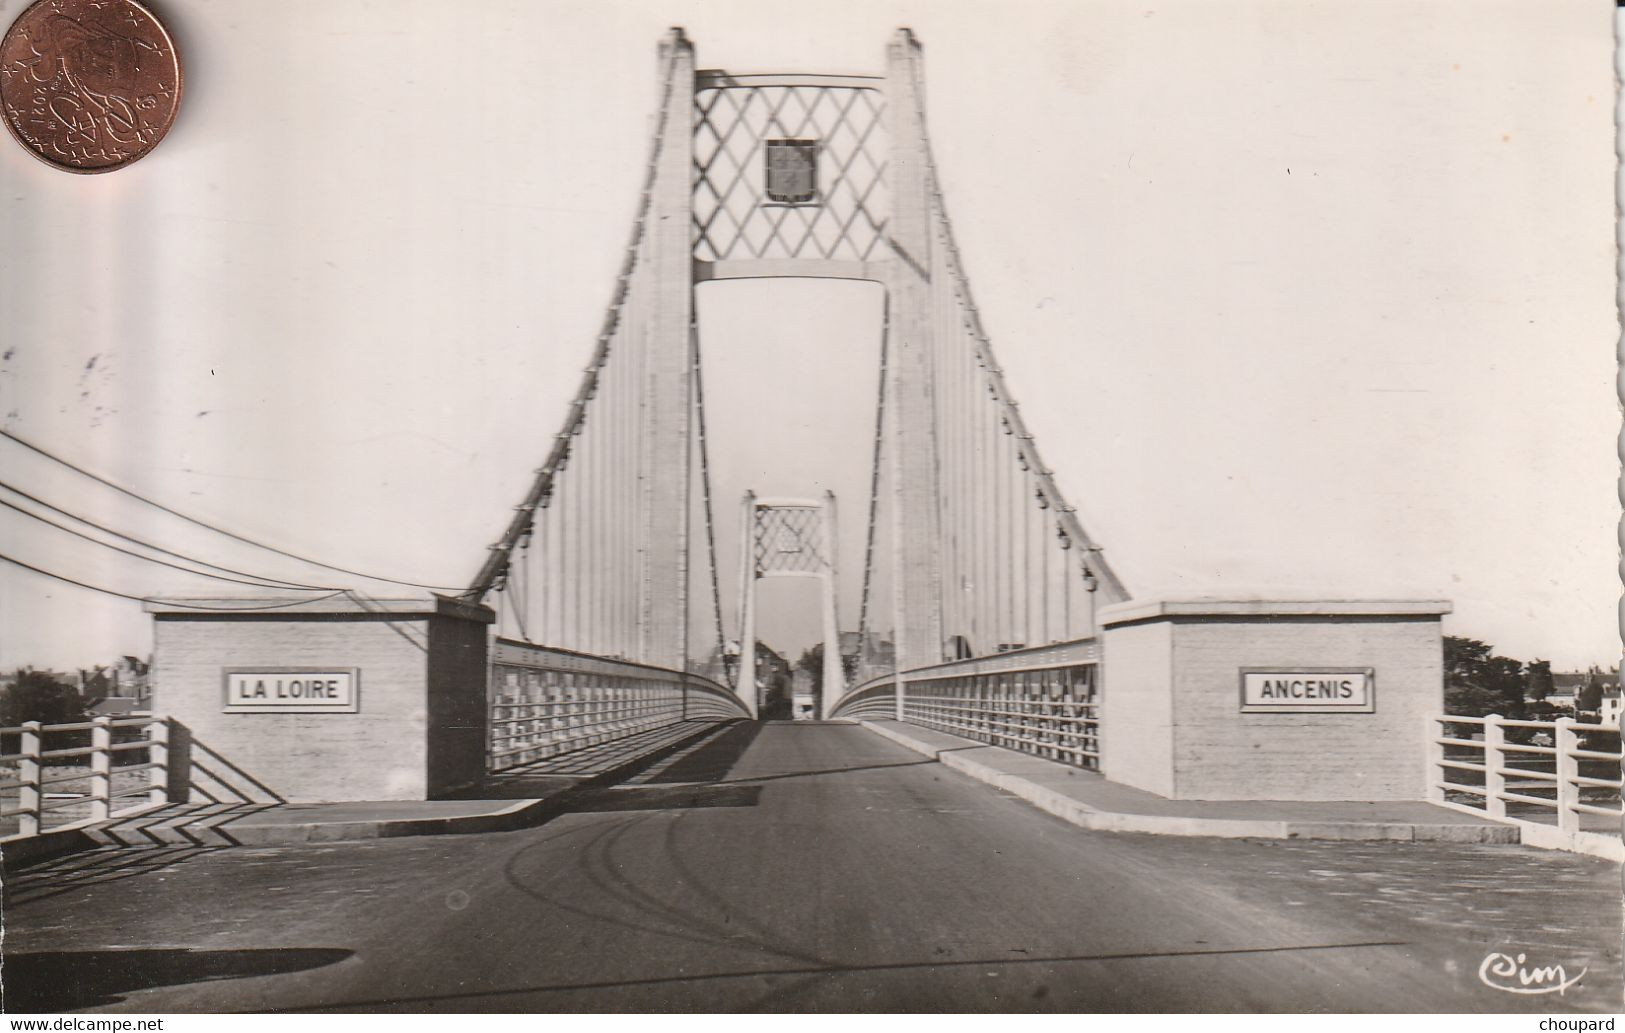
[792, 171]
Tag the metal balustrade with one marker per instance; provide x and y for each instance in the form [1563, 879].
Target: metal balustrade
[549, 702]
[82, 773]
[1044, 701]
[1500, 768]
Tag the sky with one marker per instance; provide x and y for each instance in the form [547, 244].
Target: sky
[1300, 299]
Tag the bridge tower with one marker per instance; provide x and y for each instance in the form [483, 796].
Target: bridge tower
[815, 176]
[972, 549]
[789, 538]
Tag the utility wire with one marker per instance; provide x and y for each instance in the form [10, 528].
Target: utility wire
[148, 599]
[207, 526]
[266, 582]
[150, 559]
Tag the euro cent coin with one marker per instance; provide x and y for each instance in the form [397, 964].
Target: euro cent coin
[89, 85]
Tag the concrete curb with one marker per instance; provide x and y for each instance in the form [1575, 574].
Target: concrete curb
[1085, 816]
[505, 820]
[184, 830]
[47, 846]
[21, 851]
[520, 814]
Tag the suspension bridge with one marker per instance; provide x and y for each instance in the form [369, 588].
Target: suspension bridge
[971, 549]
[804, 864]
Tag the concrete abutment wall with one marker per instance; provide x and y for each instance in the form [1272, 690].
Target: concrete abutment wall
[413, 728]
[1176, 721]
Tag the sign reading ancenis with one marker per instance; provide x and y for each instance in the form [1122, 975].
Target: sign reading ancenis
[290, 690]
[1307, 690]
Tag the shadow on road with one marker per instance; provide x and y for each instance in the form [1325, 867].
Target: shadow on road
[55, 981]
[67, 874]
[711, 759]
[665, 798]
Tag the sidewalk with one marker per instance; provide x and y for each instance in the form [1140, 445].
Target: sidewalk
[507, 800]
[1087, 799]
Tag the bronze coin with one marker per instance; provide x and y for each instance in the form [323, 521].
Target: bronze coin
[89, 85]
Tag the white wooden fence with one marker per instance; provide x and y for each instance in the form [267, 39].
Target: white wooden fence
[50, 777]
[1560, 780]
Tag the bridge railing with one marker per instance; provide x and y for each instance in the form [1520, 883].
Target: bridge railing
[54, 776]
[1559, 775]
[549, 702]
[1043, 700]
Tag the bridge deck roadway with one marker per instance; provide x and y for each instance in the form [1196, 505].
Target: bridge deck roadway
[788, 867]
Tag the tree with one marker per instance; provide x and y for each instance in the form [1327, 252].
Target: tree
[1540, 679]
[1504, 677]
[1462, 657]
[1477, 682]
[1540, 710]
[38, 696]
[1467, 700]
[812, 661]
[1589, 699]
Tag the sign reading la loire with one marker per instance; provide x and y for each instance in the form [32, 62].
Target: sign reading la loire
[290, 690]
[1307, 690]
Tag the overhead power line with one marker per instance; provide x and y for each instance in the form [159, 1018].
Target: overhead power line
[211, 527]
[150, 559]
[269, 582]
[148, 599]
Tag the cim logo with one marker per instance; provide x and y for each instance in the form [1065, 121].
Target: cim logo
[1512, 975]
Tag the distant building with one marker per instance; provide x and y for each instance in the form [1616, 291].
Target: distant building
[772, 681]
[1611, 706]
[873, 657]
[115, 706]
[1567, 686]
[803, 694]
[118, 690]
[1564, 691]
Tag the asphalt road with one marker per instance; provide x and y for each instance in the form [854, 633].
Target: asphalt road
[795, 867]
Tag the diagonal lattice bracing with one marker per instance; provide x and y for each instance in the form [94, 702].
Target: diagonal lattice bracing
[790, 539]
[732, 214]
